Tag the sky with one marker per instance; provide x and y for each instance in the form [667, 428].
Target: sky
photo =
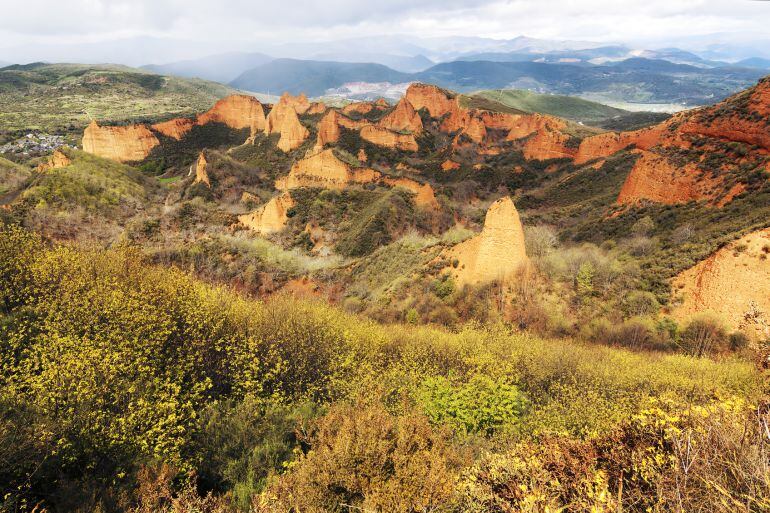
[260, 24]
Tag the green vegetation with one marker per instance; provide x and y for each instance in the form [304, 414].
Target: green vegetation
[567, 107]
[126, 385]
[58, 97]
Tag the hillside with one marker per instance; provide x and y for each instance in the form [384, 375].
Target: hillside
[569, 107]
[56, 97]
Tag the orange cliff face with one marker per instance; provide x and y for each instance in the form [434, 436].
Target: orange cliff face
[403, 118]
[236, 111]
[175, 128]
[270, 217]
[497, 252]
[283, 119]
[130, 143]
[423, 193]
[389, 139]
[435, 100]
[732, 283]
[300, 103]
[325, 170]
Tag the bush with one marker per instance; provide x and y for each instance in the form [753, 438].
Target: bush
[705, 335]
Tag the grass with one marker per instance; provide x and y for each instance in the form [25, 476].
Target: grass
[61, 97]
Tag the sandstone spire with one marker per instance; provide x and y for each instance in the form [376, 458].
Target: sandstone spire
[497, 252]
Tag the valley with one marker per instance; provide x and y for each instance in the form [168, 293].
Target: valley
[462, 298]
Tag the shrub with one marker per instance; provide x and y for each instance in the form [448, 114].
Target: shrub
[704, 335]
[362, 457]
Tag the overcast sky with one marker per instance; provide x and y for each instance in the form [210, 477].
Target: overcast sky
[248, 23]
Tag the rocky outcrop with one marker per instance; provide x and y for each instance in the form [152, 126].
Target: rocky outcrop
[734, 283]
[524, 126]
[403, 118]
[237, 111]
[358, 108]
[362, 157]
[449, 165]
[283, 119]
[325, 170]
[174, 128]
[300, 103]
[548, 143]
[498, 120]
[270, 217]
[57, 160]
[130, 143]
[435, 100]
[389, 139]
[654, 178]
[328, 129]
[423, 193]
[201, 175]
[497, 252]
[604, 145]
[316, 108]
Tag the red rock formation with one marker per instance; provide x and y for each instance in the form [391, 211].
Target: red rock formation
[362, 157]
[325, 170]
[283, 119]
[328, 129]
[300, 103]
[358, 107]
[654, 178]
[424, 195]
[450, 165]
[174, 128]
[201, 176]
[236, 111]
[498, 120]
[403, 118]
[57, 160]
[735, 284]
[437, 101]
[130, 143]
[384, 137]
[316, 108]
[497, 252]
[270, 217]
[524, 126]
[548, 143]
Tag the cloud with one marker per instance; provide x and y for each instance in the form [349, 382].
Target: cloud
[250, 24]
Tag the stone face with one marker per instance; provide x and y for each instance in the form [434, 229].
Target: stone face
[270, 217]
[174, 128]
[358, 107]
[201, 176]
[437, 101]
[524, 126]
[733, 284]
[328, 129]
[403, 118]
[316, 108]
[450, 165]
[283, 119]
[548, 143]
[236, 111]
[300, 103]
[324, 169]
[130, 143]
[497, 252]
[424, 195]
[57, 160]
[387, 138]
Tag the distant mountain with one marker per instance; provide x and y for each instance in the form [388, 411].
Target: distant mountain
[313, 78]
[404, 63]
[3, 64]
[224, 67]
[755, 62]
[634, 80]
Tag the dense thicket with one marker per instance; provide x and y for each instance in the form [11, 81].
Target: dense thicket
[127, 386]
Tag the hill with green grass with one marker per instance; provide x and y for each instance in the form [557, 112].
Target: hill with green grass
[567, 107]
[62, 97]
